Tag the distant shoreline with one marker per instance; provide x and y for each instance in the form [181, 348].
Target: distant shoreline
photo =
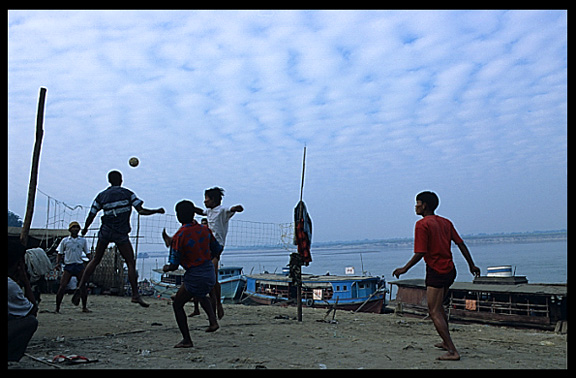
[511, 237]
[473, 239]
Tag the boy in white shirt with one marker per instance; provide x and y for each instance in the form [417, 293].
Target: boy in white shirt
[218, 217]
[72, 249]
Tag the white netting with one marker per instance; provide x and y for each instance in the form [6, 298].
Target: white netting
[147, 230]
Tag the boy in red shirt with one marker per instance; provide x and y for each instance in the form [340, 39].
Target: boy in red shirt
[432, 237]
[192, 247]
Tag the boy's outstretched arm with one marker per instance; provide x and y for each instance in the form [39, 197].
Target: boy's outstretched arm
[466, 253]
[413, 261]
[237, 209]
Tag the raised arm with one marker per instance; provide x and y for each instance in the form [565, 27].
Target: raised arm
[89, 220]
[143, 211]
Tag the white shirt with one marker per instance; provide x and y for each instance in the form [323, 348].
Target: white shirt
[218, 218]
[73, 249]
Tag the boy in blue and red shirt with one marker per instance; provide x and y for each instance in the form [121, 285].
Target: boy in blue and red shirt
[432, 238]
[192, 247]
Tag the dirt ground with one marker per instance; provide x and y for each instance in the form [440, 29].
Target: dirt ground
[122, 335]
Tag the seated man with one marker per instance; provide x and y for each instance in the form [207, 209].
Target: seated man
[22, 308]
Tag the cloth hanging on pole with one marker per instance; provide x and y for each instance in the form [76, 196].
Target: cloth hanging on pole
[303, 232]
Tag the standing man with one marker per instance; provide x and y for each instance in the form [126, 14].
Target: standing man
[432, 237]
[117, 203]
[72, 249]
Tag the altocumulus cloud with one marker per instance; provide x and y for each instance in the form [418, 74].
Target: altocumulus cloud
[470, 104]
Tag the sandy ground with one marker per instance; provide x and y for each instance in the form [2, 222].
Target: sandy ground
[122, 335]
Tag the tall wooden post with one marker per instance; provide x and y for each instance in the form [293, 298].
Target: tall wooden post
[34, 170]
[299, 286]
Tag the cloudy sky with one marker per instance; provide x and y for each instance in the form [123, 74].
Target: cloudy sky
[470, 104]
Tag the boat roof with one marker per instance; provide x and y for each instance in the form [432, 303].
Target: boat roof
[533, 289]
[308, 277]
[180, 271]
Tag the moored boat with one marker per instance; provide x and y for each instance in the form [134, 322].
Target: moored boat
[355, 293]
[492, 299]
[231, 278]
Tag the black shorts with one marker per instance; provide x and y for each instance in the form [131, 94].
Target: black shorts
[438, 280]
[107, 235]
[74, 269]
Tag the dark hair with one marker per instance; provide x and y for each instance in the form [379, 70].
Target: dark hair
[115, 178]
[215, 194]
[185, 211]
[430, 199]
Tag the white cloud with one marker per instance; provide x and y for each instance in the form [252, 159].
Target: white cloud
[387, 100]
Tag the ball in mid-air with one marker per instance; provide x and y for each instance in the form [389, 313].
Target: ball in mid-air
[133, 162]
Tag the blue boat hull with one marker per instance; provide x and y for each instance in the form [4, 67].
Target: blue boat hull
[232, 284]
[364, 294]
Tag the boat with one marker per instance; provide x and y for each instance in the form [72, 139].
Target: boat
[354, 293]
[231, 278]
[507, 300]
[499, 271]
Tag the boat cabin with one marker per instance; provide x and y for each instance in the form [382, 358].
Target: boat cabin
[491, 301]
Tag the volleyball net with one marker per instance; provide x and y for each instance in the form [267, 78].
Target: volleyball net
[146, 234]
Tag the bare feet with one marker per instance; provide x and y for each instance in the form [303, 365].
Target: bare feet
[441, 346]
[452, 355]
[140, 301]
[212, 328]
[195, 313]
[85, 309]
[184, 344]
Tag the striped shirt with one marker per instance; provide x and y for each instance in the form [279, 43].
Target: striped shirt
[117, 203]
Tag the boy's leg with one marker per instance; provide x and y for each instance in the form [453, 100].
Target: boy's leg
[98, 254]
[83, 293]
[207, 306]
[435, 297]
[128, 254]
[64, 280]
[196, 308]
[216, 292]
[181, 298]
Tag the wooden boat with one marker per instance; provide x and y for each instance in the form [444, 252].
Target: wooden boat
[496, 300]
[355, 293]
[231, 278]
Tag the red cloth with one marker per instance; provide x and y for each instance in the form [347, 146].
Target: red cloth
[303, 232]
[432, 236]
[303, 242]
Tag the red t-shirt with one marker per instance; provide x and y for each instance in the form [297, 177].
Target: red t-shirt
[432, 236]
[191, 245]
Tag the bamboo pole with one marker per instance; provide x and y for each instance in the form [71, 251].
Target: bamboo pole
[34, 169]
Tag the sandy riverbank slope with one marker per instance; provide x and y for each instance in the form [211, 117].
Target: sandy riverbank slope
[123, 335]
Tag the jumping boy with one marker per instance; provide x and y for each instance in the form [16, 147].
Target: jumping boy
[218, 217]
[432, 237]
[192, 247]
[72, 249]
[116, 202]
